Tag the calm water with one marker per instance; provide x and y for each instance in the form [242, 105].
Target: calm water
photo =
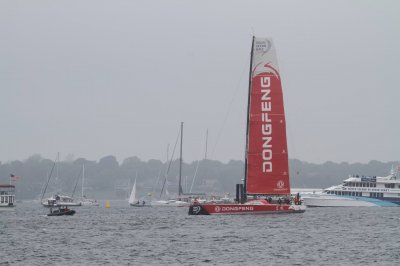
[124, 235]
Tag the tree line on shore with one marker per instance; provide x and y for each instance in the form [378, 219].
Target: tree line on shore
[109, 179]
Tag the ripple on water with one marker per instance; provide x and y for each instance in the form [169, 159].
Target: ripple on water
[168, 236]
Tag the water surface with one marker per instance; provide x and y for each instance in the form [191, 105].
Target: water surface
[124, 235]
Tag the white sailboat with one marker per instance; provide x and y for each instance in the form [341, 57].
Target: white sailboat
[84, 200]
[58, 199]
[134, 201]
[180, 200]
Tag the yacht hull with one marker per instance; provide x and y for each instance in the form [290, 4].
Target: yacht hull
[337, 201]
[211, 209]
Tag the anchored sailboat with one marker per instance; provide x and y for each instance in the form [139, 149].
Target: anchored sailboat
[266, 187]
[85, 201]
[58, 199]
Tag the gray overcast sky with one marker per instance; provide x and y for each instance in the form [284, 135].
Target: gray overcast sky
[94, 78]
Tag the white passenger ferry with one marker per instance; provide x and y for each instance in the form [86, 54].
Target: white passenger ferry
[359, 191]
[7, 196]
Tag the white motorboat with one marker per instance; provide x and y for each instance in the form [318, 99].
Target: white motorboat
[60, 200]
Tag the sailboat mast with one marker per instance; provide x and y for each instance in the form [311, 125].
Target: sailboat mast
[248, 120]
[83, 178]
[205, 153]
[58, 190]
[180, 164]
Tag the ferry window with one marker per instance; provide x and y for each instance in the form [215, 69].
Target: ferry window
[5, 199]
[2, 200]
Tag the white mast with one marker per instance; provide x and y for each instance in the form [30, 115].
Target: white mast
[83, 179]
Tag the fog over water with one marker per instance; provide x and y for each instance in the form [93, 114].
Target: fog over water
[94, 78]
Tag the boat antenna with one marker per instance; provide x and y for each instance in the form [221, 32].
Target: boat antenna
[248, 122]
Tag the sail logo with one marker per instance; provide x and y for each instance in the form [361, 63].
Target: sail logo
[217, 209]
[263, 46]
[280, 184]
[266, 127]
[234, 208]
[196, 209]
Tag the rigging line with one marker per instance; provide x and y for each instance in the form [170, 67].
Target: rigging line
[157, 181]
[48, 179]
[76, 183]
[198, 163]
[234, 95]
[170, 162]
[194, 177]
[298, 170]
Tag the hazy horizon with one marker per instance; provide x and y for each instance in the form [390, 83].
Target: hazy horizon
[98, 78]
[72, 158]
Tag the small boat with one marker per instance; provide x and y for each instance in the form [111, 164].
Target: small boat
[60, 200]
[60, 211]
[133, 201]
[170, 203]
[360, 191]
[266, 186]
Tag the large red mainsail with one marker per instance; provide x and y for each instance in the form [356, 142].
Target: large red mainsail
[266, 152]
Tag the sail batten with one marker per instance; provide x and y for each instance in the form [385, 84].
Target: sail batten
[267, 167]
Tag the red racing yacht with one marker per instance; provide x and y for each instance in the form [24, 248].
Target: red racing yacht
[266, 187]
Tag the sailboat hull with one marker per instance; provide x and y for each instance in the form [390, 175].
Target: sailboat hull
[139, 205]
[211, 209]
